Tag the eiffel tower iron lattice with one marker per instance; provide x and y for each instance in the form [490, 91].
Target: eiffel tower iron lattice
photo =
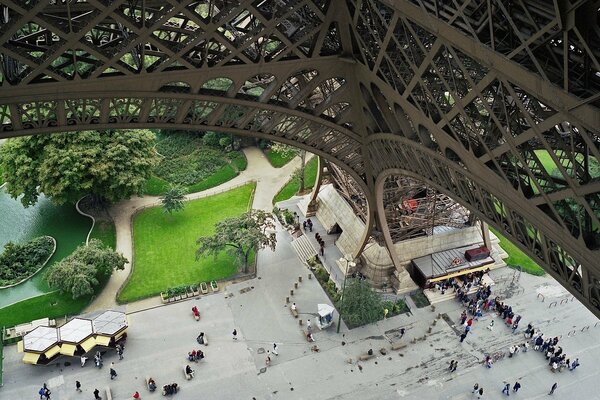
[494, 103]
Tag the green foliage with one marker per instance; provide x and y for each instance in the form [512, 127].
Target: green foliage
[164, 246]
[213, 139]
[291, 188]
[240, 236]
[173, 200]
[190, 169]
[109, 165]
[190, 163]
[419, 299]
[238, 160]
[517, 258]
[395, 307]
[361, 305]
[322, 275]
[18, 261]
[80, 273]
[279, 158]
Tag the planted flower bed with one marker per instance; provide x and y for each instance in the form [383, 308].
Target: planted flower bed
[179, 293]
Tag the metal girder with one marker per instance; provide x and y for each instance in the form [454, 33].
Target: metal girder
[501, 114]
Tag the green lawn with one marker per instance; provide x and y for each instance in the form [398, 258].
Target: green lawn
[516, 257]
[278, 159]
[156, 186]
[105, 231]
[51, 305]
[292, 187]
[165, 246]
[223, 175]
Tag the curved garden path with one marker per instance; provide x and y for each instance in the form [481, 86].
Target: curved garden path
[268, 182]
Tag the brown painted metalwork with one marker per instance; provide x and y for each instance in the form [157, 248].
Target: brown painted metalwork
[494, 103]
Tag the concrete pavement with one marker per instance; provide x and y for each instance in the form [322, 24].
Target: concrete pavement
[160, 338]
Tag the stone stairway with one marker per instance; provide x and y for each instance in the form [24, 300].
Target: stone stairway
[435, 297]
[303, 248]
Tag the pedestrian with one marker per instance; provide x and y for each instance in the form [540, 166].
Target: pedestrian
[304, 224]
[310, 224]
[451, 366]
[553, 388]
[46, 393]
[41, 393]
[119, 351]
[514, 327]
[467, 329]
[475, 388]
[574, 364]
[234, 333]
[463, 317]
[113, 373]
[322, 251]
[480, 393]
[78, 386]
[136, 395]
[83, 360]
[268, 359]
[516, 386]
[308, 325]
[275, 349]
[385, 313]
[97, 394]
[506, 389]
[454, 367]
[491, 325]
[402, 330]
[463, 336]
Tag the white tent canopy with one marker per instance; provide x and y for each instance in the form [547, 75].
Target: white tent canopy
[325, 309]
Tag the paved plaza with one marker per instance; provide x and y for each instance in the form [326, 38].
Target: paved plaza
[160, 338]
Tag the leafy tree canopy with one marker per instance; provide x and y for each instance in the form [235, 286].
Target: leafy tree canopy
[240, 236]
[109, 165]
[81, 272]
[173, 200]
[360, 304]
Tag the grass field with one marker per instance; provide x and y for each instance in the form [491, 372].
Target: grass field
[165, 245]
[278, 159]
[292, 187]
[516, 257]
[51, 305]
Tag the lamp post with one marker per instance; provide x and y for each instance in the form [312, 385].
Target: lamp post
[349, 263]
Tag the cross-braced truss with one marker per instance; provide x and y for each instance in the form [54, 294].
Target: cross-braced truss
[413, 209]
[494, 103]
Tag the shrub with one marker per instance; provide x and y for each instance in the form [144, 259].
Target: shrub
[18, 261]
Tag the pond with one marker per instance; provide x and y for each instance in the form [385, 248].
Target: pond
[19, 224]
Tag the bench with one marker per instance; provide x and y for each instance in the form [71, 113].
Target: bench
[366, 356]
[188, 376]
[108, 394]
[398, 345]
[294, 312]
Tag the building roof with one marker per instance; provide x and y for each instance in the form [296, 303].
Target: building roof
[109, 322]
[439, 264]
[40, 339]
[76, 330]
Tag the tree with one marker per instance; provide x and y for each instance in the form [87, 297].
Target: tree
[109, 165]
[172, 200]
[360, 305]
[287, 150]
[81, 272]
[240, 236]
